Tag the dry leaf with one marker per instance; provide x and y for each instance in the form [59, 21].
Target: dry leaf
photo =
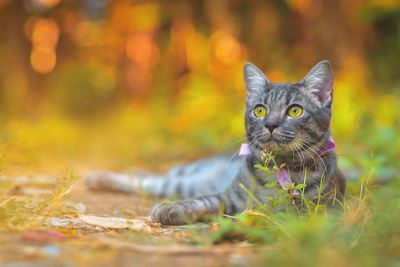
[66, 223]
[116, 223]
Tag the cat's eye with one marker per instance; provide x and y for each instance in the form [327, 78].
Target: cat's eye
[295, 111]
[260, 111]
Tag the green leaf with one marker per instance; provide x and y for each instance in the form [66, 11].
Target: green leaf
[270, 185]
[269, 198]
[300, 186]
[258, 166]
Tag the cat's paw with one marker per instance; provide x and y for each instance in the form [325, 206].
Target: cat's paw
[176, 213]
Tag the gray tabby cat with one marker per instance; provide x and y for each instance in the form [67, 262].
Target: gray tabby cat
[291, 120]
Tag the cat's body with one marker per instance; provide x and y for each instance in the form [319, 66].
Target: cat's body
[291, 120]
[205, 176]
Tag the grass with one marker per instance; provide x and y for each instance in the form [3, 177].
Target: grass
[363, 231]
[20, 212]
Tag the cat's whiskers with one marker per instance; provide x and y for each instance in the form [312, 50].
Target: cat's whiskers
[301, 145]
[252, 149]
[311, 156]
[298, 151]
[292, 148]
[301, 156]
[255, 135]
[307, 147]
[321, 159]
[320, 144]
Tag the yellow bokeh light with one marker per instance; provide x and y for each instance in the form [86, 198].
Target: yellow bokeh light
[43, 60]
[386, 4]
[145, 17]
[385, 112]
[197, 51]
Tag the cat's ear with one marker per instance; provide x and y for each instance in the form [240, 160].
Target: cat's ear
[319, 81]
[254, 79]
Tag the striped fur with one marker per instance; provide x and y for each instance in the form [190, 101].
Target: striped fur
[216, 184]
[206, 176]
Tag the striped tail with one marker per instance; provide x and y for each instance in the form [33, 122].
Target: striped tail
[206, 176]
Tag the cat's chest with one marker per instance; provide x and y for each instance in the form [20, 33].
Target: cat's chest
[284, 175]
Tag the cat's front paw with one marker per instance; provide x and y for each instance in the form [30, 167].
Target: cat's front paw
[176, 213]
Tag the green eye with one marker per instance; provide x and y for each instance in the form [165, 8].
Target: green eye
[260, 111]
[295, 111]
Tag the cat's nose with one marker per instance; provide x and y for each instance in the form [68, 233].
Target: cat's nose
[271, 126]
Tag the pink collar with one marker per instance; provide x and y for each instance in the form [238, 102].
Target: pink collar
[283, 175]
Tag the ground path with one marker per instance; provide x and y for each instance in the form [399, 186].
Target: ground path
[93, 246]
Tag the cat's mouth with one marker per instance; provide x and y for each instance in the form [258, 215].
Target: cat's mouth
[276, 143]
[271, 144]
[279, 141]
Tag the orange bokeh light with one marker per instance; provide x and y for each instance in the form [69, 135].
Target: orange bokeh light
[142, 50]
[45, 33]
[226, 48]
[43, 60]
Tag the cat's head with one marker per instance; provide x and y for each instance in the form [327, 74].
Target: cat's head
[288, 117]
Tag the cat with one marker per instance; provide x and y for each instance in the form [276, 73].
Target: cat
[289, 120]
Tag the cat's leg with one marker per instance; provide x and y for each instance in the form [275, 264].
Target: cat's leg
[190, 210]
[109, 181]
[157, 185]
[186, 181]
[139, 180]
[233, 200]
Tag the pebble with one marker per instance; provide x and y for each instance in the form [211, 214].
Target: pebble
[51, 250]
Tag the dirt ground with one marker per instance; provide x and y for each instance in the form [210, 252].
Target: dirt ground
[91, 246]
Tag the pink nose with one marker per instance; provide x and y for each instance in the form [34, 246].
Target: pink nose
[271, 126]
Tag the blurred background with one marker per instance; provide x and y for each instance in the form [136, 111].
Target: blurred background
[113, 84]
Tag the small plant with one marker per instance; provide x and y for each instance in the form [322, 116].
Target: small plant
[24, 212]
[284, 198]
[264, 222]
